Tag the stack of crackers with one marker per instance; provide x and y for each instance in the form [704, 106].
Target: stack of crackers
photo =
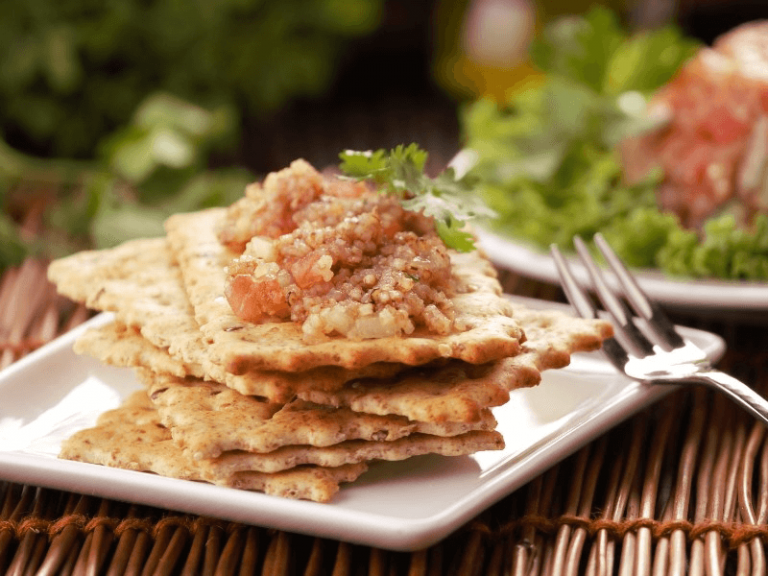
[252, 406]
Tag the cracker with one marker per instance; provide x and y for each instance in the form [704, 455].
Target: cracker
[454, 392]
[555, 335]
[116, 344]
[351, 452]
[134, 280]
[431, 394]
[132, 437]
[490, 332]
[118, 280]
[207, 418]
[459, 392]
[119, 345]
[124, 280]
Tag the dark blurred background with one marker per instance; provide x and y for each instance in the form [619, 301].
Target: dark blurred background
[389, 90]
[113, 114]
[368, 70]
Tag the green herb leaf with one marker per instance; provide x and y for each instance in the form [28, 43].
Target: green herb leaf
[446, 198]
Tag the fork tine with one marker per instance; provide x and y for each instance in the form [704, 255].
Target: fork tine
[646, 308]
[618, 310]
[577, 296]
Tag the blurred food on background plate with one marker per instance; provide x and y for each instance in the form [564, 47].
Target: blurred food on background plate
[714, 147]
[650, 137]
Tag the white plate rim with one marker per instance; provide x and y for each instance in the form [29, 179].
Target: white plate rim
[324, 520]
[702, 295]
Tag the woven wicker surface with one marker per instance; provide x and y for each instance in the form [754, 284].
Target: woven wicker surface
[679, 488]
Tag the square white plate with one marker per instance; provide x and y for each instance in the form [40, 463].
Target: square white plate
[406, 505]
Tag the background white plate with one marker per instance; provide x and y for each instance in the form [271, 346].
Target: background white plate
[701, 296]
[404, 506]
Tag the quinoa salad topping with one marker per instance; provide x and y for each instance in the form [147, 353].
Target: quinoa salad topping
[336, 257]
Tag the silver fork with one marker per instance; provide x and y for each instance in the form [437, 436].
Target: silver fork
[646, 345]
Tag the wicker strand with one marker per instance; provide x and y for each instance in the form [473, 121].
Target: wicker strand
[63, 534]
[685, 475]
[716, 511]
[103, 537]
[230, 554]
[586, 498]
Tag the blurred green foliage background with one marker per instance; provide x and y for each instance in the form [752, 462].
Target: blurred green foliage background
[73, 70]
[111, 110]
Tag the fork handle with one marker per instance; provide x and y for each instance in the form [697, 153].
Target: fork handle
[737, 391]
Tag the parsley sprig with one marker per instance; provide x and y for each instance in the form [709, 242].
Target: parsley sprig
[446, 198]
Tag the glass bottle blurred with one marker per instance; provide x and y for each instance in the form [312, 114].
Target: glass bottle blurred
[481, 46]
